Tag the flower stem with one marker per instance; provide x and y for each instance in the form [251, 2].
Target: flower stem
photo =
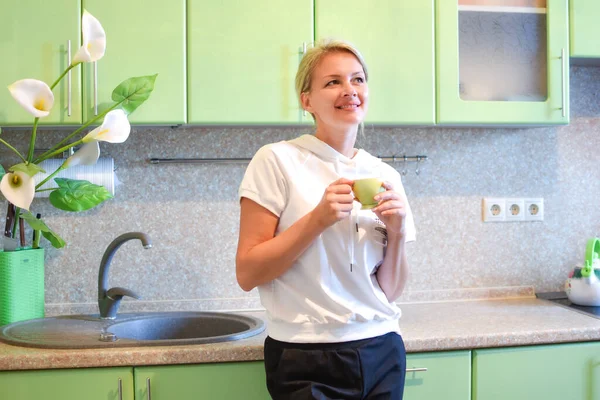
[59, 151]
[13, 149]
[16, 221]
[52, 151]
[32, 141]
[46, 179]
[62, 76]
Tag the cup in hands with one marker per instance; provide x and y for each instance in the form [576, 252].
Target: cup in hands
[365, 189]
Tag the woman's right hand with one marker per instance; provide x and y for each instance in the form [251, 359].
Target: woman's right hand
[336, 203]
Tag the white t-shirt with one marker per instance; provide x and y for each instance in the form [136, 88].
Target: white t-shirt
[331, 293]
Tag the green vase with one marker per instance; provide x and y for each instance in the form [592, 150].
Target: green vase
[21, 285]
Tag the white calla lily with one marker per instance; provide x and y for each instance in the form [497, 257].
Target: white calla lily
[114, 129]
[18, 188]
[88, 154]
[94, 40]
[35, 96]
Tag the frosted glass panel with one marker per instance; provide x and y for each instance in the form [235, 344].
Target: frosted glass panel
[502, 50]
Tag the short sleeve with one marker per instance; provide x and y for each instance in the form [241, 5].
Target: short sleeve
[392, 176]
[264, 181]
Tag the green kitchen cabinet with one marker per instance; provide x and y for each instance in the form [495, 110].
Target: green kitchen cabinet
[584, 28]
[68, 384]
[242, 60]
[143, 37]
[35, 36]
[222, 381]
[557, 372]
[438, 375]
[396, 39]
[502, 65]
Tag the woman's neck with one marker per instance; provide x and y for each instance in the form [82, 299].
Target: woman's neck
[339, 139]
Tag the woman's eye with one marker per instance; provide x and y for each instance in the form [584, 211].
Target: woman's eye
[333, 82]
[360, 79]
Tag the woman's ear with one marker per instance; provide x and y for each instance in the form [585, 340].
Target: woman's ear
[305, 101]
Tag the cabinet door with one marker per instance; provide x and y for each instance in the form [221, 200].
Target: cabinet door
[242, 60]
[34, 39]
[143, 37]
[559, 372]
[502, 65]
[584, 28]
[68, 384]
[396, 39]
[224, 381]
[448, 376]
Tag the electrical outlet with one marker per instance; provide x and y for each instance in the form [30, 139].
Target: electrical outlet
[494, 209]
[515, 210]
[534, 209]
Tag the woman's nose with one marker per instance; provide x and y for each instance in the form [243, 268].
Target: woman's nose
[349, 91]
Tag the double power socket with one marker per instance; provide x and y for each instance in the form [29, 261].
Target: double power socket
[512, 209]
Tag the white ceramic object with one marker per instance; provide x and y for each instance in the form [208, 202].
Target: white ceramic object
[585, 290]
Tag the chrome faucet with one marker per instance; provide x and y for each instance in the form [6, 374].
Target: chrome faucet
[109, 299]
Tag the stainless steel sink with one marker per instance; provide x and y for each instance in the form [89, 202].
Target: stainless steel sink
[138, 329]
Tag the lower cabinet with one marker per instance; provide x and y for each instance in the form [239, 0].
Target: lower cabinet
[554, 372]
[448, 376]
[223, 381]
[68, 384]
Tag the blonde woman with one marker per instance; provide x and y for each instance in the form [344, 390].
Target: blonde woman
[327, 272]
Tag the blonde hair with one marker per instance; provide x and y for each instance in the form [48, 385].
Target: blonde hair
[314, 55]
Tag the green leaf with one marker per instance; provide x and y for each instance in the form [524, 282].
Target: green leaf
[2, 171]
[53, 238]
[36, 224]
[29, 168]
[77, 195]
[39, 225]
[134, 91]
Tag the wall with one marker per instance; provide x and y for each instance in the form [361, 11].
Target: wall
[191, 211]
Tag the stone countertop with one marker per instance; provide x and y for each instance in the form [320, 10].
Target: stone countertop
[440, 326]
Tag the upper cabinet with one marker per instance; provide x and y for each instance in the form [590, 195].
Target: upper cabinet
[502, 62]
[584, 27]
[242, 60]
[36, 37]
[143, 37]
[396, 39]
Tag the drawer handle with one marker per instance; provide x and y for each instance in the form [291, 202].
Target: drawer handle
[120, 389]
[69, 79]
[148, 389]
[416, 369]
[563, 79]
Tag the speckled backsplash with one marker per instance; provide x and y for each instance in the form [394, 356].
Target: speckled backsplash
[191, 211]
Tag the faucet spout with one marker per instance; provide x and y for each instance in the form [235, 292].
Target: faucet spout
[108, 302]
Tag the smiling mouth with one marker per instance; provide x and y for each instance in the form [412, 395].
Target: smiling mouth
[348, 107]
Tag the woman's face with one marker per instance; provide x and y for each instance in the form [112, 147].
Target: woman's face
[339, 92]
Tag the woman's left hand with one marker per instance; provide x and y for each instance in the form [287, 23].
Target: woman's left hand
[391, 209]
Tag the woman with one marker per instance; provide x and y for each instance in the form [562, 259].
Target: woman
[327, 272]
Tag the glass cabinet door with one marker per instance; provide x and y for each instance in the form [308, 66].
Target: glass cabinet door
[502, 62]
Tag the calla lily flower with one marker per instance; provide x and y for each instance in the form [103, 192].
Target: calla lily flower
[18, 188]
[35, 96]
[94, 40]
[88, 154]
[114, 129]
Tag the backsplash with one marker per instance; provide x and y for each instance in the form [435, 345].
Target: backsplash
[191, 212]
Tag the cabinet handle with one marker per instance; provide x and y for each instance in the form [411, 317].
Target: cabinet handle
[564, 92]
[95, 87]
[120, 389]
[148, 389]
[416, 369]
[69, 79]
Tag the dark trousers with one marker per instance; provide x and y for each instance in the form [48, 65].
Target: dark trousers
[372, 369]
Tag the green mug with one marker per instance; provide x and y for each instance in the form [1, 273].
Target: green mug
[365, 189]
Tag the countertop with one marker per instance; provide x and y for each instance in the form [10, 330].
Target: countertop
[439, 326]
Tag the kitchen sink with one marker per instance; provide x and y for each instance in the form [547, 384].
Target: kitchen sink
[136, 329]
